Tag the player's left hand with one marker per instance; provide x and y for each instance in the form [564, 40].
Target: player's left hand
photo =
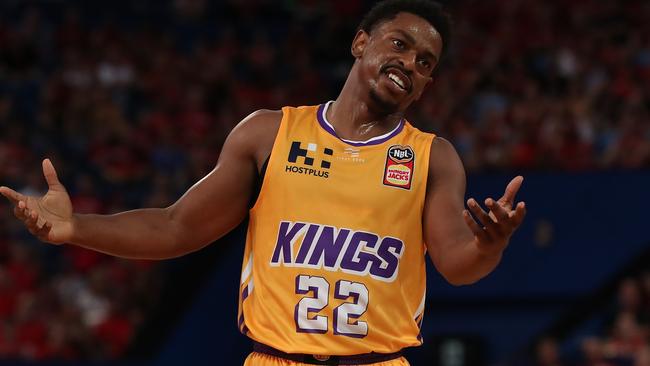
[493, 230]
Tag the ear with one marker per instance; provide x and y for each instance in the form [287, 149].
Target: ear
[359, 43]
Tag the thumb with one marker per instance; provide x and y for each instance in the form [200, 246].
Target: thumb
[511, 190]
[50, 175]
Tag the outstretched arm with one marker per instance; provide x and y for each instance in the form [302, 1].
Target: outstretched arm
[207, 211]
[462, 249]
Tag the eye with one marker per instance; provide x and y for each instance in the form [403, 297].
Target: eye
[425, 63]
[399, 44]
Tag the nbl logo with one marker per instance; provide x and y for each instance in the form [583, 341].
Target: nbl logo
[300, 156]
[400, 162]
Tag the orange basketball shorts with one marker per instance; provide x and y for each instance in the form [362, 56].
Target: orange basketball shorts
[261, 359]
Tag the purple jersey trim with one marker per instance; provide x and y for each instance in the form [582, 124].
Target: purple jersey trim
[322, 120]
[242, 325]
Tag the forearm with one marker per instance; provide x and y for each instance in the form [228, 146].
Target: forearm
[464, 264]
[142, 234]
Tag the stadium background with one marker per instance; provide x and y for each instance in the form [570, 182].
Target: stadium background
[132, 100]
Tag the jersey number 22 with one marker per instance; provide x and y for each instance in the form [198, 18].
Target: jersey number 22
[345, 315]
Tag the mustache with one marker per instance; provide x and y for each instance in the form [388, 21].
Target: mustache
[395, 66]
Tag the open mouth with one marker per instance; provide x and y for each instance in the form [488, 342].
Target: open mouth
[399, 79]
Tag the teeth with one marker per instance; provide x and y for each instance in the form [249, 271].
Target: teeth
[397, 80]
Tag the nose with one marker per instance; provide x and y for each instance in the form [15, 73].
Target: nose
[408, 61]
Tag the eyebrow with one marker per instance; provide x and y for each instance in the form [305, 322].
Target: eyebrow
[411, 40]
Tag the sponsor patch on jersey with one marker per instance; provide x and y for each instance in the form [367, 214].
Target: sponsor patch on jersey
[301, 160]
[398, 171]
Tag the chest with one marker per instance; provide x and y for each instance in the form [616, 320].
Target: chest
[377, 177]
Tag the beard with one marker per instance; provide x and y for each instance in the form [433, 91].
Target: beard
[382, 106]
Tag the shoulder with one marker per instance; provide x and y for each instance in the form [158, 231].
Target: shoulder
[444, 162]
[442, 148]
[259, 123]
[256, 133]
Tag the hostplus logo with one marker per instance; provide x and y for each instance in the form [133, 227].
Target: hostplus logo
[300, 161]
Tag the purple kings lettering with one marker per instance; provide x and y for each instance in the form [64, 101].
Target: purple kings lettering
[391, 257]
[306, 243]
[286, 236]
[327, 249]
[355, 252]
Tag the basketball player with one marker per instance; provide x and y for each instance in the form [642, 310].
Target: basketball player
[350, 198]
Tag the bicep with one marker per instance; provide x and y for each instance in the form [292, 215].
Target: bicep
[219, 201]
[443, 224]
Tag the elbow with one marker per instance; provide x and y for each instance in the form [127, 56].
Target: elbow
[464, 281]
[457, 280]
[460, 271]
[457, 277]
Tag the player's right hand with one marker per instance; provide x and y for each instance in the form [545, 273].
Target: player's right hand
[49, 217]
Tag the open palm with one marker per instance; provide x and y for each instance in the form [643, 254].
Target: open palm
[494, 228]
[49, 217]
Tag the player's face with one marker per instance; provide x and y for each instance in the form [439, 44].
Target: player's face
[397, 59]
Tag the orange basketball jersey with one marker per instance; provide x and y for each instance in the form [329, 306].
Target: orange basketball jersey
[334, 262]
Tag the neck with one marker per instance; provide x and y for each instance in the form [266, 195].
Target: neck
[354, 116]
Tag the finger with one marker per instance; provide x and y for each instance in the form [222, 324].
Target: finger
[31, 221]
[20, 212]
[478, 231]
[498, 215]
[13, 196]
[43, 234]
[518, 214]
[497, 210]
[482, 217]
[50, 175]
[511, 191]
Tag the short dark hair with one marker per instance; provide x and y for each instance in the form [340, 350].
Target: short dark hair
[430, 11]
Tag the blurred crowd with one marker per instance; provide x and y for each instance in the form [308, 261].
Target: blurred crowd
[546, 85]
[625, 336]
[133, 100]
